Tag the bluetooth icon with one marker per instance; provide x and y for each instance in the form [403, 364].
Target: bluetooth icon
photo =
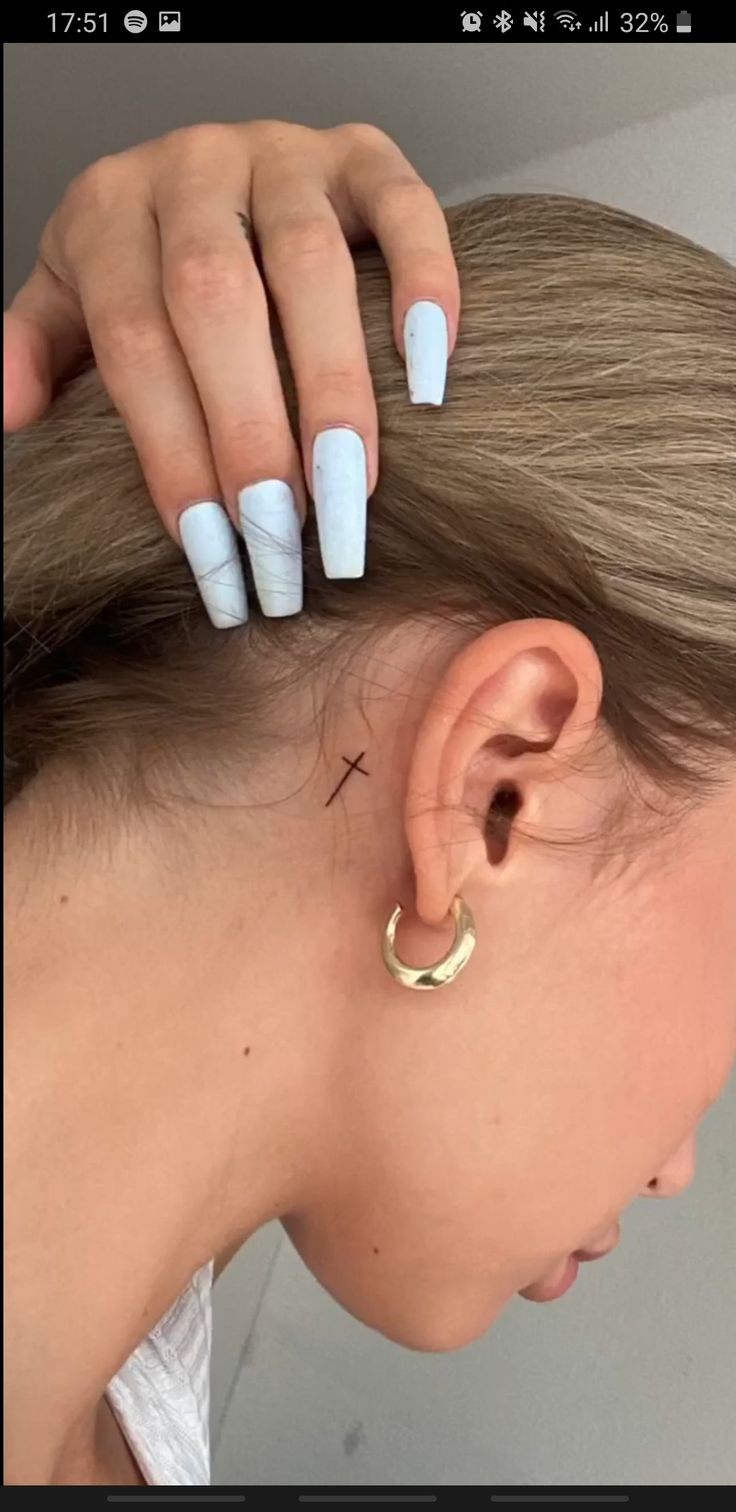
[504, 22]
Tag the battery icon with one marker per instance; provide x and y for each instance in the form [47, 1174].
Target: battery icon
[684, 20]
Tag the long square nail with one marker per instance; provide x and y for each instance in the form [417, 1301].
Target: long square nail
[340, 488]
[426, 347]
[210, 545]
[273, 535]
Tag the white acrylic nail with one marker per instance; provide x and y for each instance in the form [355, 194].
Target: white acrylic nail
[211, 547]
[340, 488]
[273, 534]
[426, 347]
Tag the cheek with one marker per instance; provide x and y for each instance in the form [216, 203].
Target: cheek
[664, 1006]
[686, 995]
[703, 951]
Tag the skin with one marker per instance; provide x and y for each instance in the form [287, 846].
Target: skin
[202, 1036]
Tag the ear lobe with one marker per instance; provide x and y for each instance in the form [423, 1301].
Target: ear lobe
[514, 694]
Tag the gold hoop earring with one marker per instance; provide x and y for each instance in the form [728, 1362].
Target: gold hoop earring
[425, 978]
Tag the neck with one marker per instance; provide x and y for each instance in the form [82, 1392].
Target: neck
[182, 1021]
[168, 1068]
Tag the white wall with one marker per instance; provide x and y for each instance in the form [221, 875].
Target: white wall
[679, 170]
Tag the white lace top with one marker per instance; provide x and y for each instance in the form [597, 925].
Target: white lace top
[161, 1396]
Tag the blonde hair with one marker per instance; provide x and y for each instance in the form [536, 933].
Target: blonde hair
[583, 467]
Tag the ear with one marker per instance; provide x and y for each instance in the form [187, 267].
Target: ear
[511, 709]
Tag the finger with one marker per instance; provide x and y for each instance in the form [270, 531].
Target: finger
[405, 217]
[26, 372]
[218, 308]
[311, 275]
[44, 337]
[145, 373]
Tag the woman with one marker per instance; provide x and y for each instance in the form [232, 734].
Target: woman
[519, 725]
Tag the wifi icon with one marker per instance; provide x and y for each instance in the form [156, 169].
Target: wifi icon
[568, 19]
[136, 21]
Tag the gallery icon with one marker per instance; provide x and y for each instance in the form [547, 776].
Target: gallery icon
[169, 20]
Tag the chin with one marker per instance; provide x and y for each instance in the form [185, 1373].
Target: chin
[439, 1334]
[436, 1321]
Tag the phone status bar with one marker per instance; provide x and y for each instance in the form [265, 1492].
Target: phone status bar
[562, 25]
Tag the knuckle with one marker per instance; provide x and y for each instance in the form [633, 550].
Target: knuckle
[253, 447]
[402, 197]
[428, 269]
[207, 139]
[338, 384]
[94, 188]
[302, 238]
[364, 134]
[130, 337]
[257, 435]
[208, 277]
[268, 132]
[89, 198]
[170, 480]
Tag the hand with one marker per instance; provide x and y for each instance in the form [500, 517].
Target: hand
[149, 261]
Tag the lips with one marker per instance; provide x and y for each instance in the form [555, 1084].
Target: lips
[610, 1241]
[568, 1279]
[541, 1292]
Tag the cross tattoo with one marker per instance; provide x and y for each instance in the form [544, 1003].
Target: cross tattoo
[245, 223]
[352, 766]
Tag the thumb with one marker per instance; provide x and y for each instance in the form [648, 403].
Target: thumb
[44, 335]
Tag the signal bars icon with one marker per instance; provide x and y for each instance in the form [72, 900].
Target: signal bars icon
[601, 25]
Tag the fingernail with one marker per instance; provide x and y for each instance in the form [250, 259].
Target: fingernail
[340, 488]
[426, 346]
[273, 534]
[211, 547]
